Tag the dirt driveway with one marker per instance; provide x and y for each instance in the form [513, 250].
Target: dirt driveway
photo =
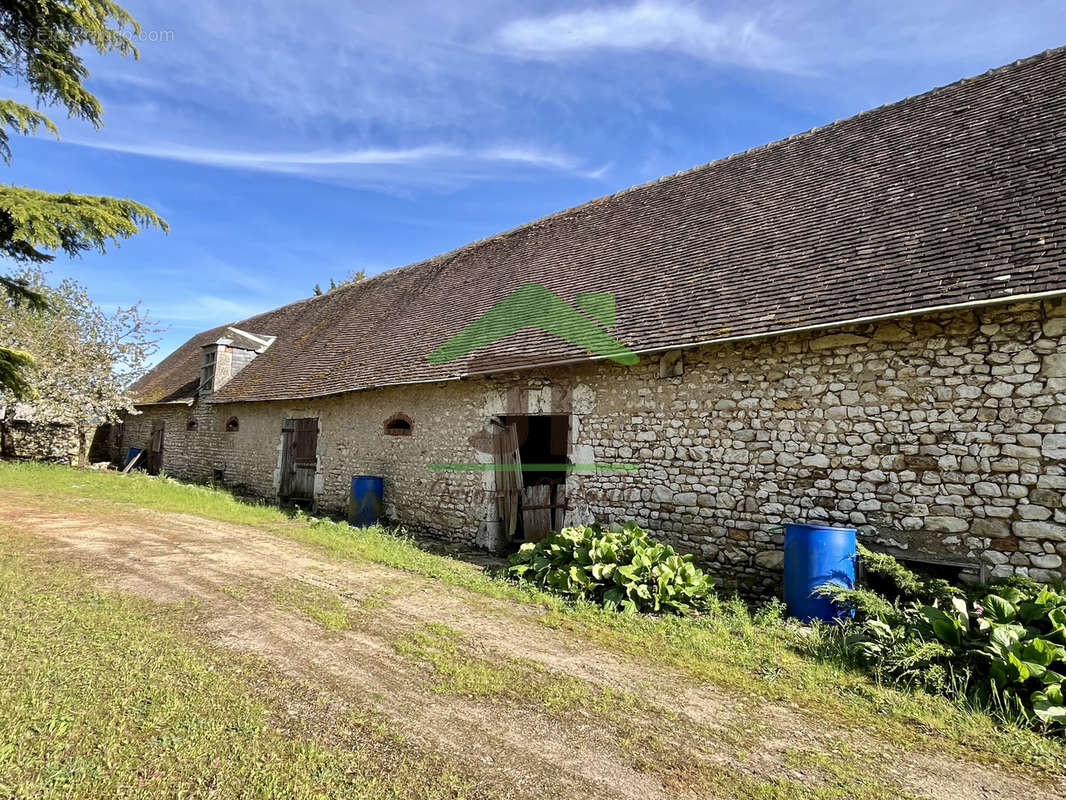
[563, 719]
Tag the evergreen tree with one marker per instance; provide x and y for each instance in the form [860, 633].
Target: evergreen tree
[39, 40]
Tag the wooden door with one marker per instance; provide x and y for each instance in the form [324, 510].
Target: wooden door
[508, 478]
[299, 459]
[536, 512]
[155, 447]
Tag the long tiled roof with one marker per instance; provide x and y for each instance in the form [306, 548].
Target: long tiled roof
[954, 196]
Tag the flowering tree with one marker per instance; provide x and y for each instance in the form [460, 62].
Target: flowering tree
[86, 358]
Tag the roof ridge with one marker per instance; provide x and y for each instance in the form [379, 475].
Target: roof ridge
[456, 251]
[963, 236]
[243, 320]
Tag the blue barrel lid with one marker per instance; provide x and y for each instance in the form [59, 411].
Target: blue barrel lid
[810, 526]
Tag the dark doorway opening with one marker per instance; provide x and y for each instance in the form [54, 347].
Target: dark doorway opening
[543, 457]
[100, 447]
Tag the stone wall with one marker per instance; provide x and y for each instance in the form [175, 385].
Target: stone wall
[938, 436]
[26, 433]
[37, 441]
[352, 441]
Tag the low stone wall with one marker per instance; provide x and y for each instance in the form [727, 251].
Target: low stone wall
[941, 436]
[36, 441]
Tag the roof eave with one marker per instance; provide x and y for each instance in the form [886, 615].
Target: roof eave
[1001, 300]
[185, 401]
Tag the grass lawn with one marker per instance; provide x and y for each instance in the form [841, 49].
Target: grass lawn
[75, 647]
[102, 695]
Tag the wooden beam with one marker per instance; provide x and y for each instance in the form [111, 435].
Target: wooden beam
[133, 462]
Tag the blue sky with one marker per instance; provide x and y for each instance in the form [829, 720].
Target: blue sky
[289, 142]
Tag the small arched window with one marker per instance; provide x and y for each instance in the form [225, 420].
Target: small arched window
[191, 425]
[398, 425]
[232, 424]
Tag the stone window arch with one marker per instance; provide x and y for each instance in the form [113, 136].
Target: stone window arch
[233, 424]
[399, 425]
[192, 425]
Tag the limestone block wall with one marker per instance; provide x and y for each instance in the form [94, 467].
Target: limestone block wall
[39, 441]
[352, 441]
[180, 450]
[941, 435]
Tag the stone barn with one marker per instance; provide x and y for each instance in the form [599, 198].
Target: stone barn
[862, 324]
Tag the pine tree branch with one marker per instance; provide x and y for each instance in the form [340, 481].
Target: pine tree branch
[33, 222]
[19, 291]
[14, 368]
[22, 119]
[40, 40]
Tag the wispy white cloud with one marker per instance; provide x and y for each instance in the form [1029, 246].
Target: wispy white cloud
[659, 25]
[529, 155]
[313, 160]
[406, 95]
[272, 160]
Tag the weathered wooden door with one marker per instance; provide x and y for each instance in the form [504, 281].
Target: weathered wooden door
[299, 459]
[155, 447]
[508, 478]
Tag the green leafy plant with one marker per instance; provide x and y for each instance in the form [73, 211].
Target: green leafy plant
[621, 568]
[887, 585]
[1002, 647]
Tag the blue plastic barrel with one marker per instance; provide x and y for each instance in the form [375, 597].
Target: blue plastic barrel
[816, 555]
[368, 494]
[131, 454]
